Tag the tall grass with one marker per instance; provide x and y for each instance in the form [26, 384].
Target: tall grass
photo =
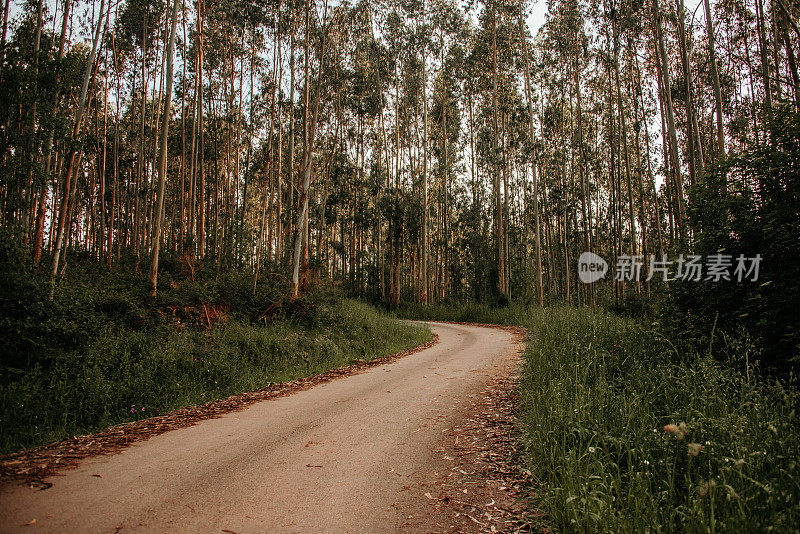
[626, 434]
[123, 374]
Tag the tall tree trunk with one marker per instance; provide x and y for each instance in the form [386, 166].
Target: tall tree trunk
[687, 76]
[424, 252]
[715, 77]
[310, 130]
[762, 45]
[624, 142]
[162, 154]
[201, 204]
[75, 154]
[672, 136]
[48, 159]
[501, 269]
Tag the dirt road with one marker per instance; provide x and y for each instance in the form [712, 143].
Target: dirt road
[351, 455]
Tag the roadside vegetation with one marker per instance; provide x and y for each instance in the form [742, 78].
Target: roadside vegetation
[154, 222]
[626, 432]
[105, 352]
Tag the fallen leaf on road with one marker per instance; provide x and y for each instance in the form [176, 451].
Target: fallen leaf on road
[229, 531]
[428, 495]
[98, 476]
[309, 465]
[30, 523]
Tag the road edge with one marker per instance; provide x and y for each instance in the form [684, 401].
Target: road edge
[33, 465]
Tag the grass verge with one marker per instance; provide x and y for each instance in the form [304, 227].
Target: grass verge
[626, 434]
[125, 375]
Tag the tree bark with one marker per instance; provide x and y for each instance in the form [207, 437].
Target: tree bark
[74, 154]
[162, 155]
[715, 77]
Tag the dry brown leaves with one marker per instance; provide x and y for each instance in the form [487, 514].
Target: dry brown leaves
[36, 464]
[488, 488]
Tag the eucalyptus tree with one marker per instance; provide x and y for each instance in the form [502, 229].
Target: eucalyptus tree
[162, 154]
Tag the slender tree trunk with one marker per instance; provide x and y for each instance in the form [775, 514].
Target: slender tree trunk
[424, 253]
[201, 204]
[715, 78]
[39, 232]
[74, 153]
[501, 269]
[310, 130]
[672, 136]
[162, 155]
[765, 65]
[624, 142]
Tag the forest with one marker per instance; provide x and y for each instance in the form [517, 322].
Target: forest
[250, 177]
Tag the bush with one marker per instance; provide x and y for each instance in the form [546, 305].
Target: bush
[749, 204]
[123, 375]
[103, 350]
[598, 391]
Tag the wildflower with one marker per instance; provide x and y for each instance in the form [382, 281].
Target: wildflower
[704, 488]
[694, 449]
[676, 430]
[592, 449]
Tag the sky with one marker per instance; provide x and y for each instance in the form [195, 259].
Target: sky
[537, 16]
[535, 20]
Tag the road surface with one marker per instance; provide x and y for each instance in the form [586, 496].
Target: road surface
[351, 455]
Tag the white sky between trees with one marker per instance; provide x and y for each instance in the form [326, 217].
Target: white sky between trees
[85, 16]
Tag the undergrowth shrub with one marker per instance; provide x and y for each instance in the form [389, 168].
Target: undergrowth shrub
[627, 435]
[625, 431]
[104, 351]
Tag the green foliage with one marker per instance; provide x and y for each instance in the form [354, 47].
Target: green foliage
[597, 392]
[103, 351]
[750, 205]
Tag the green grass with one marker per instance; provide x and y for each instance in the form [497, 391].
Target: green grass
[123, 375]
[597, 391]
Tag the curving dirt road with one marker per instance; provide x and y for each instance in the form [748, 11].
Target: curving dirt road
[353, 455]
